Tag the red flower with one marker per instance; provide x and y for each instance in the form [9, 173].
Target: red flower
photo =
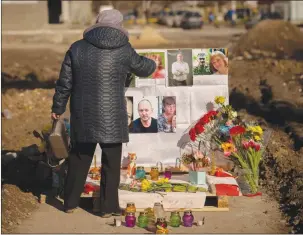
[199, 128]
[204, 120]
[236, 130]
[248, 144]
[192, 134]
[257, 147]
[212, 113]
[251, 144]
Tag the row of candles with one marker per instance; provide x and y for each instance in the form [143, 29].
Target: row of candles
[154, 173]
[161, 224]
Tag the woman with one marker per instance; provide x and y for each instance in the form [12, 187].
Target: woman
[167, 120]
[160, 71]
[219, 63]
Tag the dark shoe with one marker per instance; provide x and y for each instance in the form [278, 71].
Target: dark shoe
[70, 211]
[106, 215]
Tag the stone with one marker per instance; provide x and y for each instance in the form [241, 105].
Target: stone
[247, 55]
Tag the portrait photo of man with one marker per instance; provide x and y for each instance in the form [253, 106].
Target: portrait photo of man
[180, 68]
[146, 122]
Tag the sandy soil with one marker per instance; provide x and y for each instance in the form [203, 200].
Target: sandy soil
[246, 215]
[27, 88]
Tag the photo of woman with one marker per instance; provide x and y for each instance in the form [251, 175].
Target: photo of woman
[160, 71]
[210, 66]
[167, 119]
[158, 77]
[219, 63]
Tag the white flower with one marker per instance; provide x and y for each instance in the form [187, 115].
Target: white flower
[234, 114]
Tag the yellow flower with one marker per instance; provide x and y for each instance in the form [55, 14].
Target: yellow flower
[145, 184]
[255, 129]
[219, 99]
[228, 148]
[258, 130]
[162, 181]
[257, 138]
[233, 114]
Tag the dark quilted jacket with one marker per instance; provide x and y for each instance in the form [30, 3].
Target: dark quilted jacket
[93, 75]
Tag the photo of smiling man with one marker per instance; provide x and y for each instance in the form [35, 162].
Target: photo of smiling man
[145, 115]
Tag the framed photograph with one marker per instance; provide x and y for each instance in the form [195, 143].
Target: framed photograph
[167, 116]
[145, 115]
[129, 108]
[180, 67]
[159, 76]
[210, 66]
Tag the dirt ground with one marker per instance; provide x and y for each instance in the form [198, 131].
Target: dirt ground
[266, 89]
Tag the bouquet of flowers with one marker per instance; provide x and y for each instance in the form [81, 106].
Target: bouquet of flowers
[196, 161]
[241, 142]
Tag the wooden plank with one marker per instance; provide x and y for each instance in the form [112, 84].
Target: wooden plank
[97, 194]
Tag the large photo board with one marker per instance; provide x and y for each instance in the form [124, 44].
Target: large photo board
[162, 107]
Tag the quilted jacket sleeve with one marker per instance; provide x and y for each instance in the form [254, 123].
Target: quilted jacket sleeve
[140, 65]
[63, 86]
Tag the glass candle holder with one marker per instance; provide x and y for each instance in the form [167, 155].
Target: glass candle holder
[175, 219]
[130, 220]
[154, 173]
[167, 173]
[140, 172]
[161, 222]
[188, 219]
[158, 210]
[130, 208]
[143, 220]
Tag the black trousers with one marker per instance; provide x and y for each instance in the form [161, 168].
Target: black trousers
[79, 162]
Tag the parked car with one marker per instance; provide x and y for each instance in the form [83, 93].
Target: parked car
[178, 18]
[272, 16]
[191, 20]
[161, 17]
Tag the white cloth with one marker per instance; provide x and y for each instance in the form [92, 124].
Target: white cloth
[220, 180]
[180, 70]
[184, 200]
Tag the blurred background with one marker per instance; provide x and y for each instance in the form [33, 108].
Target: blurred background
[265, 48]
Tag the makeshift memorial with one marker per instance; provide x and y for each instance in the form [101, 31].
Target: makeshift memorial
[143, 220]
[130, 220]
[175, 219]
[188, 219]
[140, 172]
[131, 168]
[240, 141]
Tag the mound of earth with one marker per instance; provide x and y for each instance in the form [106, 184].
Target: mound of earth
[16, 206]
[276, 38]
